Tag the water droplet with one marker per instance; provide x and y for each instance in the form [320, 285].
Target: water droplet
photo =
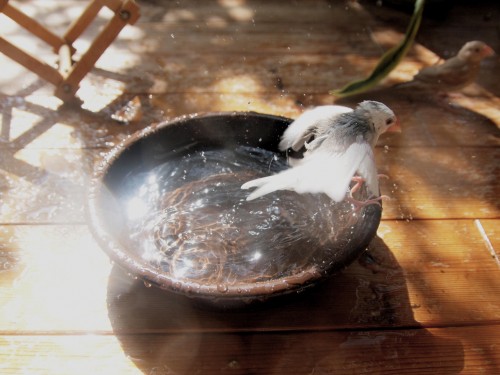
[233, 364]
[222, 288]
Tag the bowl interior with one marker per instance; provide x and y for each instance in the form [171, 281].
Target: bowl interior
[167, 206]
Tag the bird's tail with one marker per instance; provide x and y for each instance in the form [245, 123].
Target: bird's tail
[269, 184]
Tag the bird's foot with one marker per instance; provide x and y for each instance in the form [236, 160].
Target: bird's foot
[359, 182]
[358, 205]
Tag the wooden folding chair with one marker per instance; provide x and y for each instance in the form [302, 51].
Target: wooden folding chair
[69, 73]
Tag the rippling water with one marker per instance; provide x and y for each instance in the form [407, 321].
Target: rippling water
[190, 218]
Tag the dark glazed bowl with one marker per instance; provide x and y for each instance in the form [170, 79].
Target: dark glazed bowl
[149, 211]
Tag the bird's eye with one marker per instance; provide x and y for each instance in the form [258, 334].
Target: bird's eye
[389, 121]
[477, 50]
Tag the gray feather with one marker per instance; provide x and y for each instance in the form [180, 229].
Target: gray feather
[339, 143]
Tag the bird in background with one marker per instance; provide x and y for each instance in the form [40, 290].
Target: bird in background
[338, 144]
[453, 74]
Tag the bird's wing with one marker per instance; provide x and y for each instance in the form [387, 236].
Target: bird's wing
[285, 180]
[357, 158]
[302, 129]
[368, 169]
[322, 172]
[452, 71]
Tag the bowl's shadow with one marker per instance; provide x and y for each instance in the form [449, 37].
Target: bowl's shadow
[360, 320]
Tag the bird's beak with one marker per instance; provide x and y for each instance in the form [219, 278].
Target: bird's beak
[487, 51]
[396, 128]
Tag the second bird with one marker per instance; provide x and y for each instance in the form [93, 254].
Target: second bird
[453, 74]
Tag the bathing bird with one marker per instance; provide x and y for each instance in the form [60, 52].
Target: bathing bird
[338, 147]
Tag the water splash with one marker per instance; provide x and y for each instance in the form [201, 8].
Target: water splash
[189, 218]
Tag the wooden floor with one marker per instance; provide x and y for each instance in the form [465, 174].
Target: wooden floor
[424, 299]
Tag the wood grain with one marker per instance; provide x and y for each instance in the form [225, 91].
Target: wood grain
[462, 350]
[415, 273]
[50, 185]
[423, 299]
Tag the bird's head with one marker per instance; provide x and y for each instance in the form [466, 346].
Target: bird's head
[475, 51]
[381, 116]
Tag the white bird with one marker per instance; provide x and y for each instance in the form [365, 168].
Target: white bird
[339, 145]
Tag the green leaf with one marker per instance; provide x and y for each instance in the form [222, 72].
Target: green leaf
[389, 60]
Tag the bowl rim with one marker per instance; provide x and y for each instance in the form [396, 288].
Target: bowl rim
[136, 266]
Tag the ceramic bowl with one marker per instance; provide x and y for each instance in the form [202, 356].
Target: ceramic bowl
[166, 205]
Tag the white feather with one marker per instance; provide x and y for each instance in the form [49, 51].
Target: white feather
[299, 131]
[322, 172]
[327, 165]
[368, 170]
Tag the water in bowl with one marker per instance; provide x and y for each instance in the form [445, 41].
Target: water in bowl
[188, 217]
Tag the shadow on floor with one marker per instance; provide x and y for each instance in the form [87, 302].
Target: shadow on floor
[359, 321]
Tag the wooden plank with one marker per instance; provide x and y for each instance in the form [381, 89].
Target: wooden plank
[465, 350]
[49, 186]
[249, 43]
[195, 72]
[63, 274]
[489, 230]
[260, 33]
[440, 182]
[58, 355]
[423, 124]
[424, 299]
[253, 13]
[288, 73]
[206, 21]
[40, 122]
[44, 186]
[415, 273]
[426, 251]
[355, 57]
[213, 72]
[430, 273]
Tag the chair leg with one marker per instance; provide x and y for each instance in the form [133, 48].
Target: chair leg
[42, 69]
[127, 13]
[69, 75]
[32, 26]
[81, 23]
